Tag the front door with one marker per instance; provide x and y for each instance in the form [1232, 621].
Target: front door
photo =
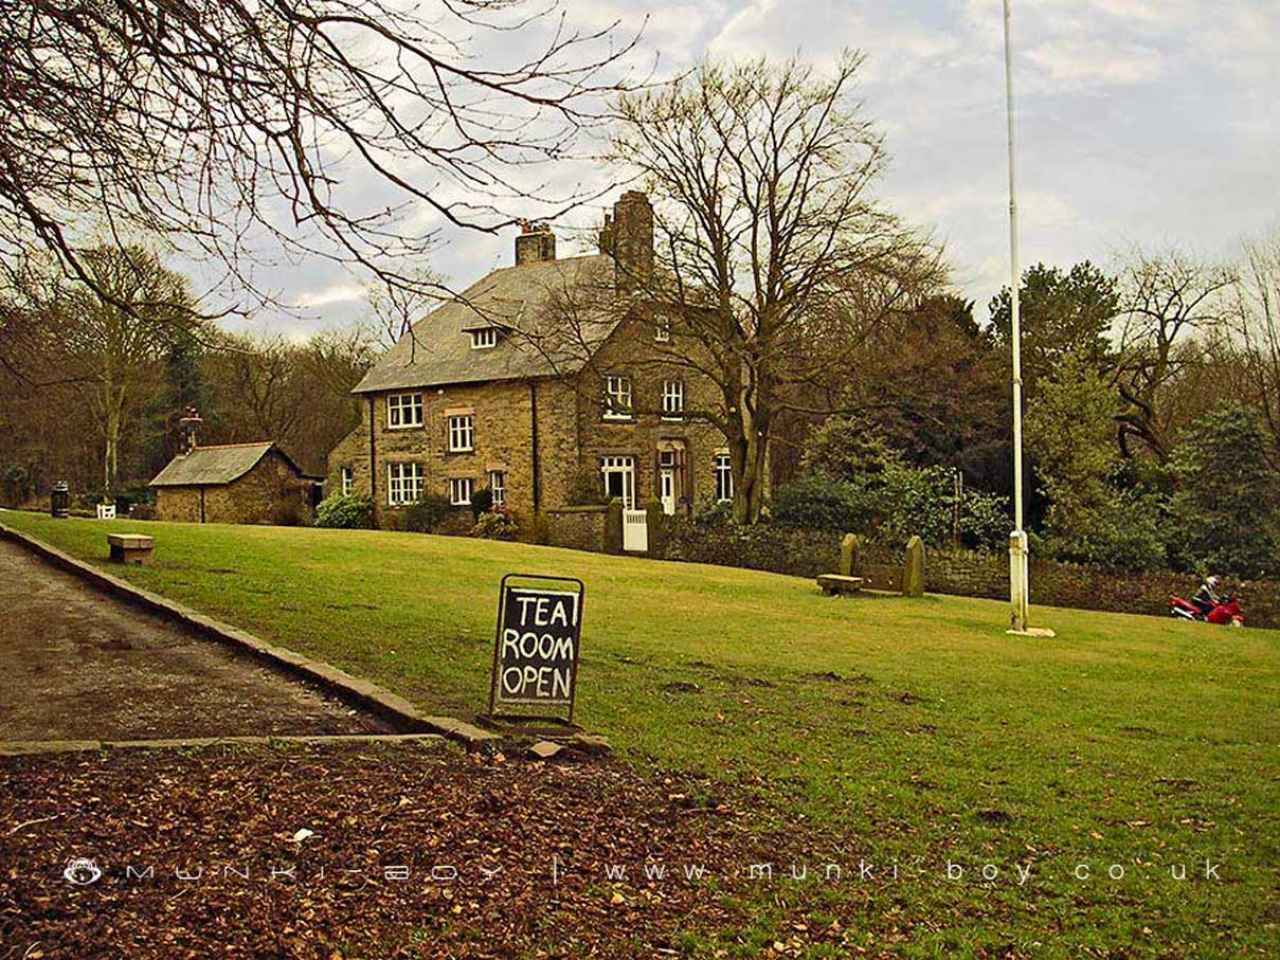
[619, 479]
[667, 490]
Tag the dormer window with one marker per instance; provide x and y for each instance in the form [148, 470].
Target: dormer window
[484, 339]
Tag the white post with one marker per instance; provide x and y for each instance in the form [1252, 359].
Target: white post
[1018, 557]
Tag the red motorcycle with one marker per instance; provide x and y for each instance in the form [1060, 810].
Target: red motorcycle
[1225, 611]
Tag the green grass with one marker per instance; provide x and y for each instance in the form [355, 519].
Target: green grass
[907, 730]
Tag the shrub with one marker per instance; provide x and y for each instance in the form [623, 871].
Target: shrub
[17, 483]
[481, 502]
[893, 505]
[142, 511]
[713, 513]
[496, 525]
[344, 513]
[428, 513]
[586, 490]
[817, 502]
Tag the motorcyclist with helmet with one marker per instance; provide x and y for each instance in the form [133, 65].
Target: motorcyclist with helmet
[1207, 597]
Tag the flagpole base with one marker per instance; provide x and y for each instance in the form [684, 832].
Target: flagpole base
[1019, 588]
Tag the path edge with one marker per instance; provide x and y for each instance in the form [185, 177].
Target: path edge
[395, 709]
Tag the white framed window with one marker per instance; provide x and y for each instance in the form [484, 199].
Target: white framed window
[619, 475]
[348, 480]
[462, 433]
[672, 399]
[498, 487]
[617, 398]
[662, 332]
[404, 483]
[484, 339]
[724, 478]
[404, 410]
[460, 491]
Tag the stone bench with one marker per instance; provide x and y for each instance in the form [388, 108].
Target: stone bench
[833, 584]
[130, 547]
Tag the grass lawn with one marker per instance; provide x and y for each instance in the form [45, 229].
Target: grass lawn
[891, 730]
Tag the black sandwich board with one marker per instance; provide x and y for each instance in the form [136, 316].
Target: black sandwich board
[535, 647]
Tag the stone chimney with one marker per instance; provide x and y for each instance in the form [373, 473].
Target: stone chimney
[189, 424]
[536, 242]
[631, 240]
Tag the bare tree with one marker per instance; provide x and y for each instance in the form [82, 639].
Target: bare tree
[773, 258]
[1167, 299]
[113, 340]
[1256, 316]
[395, 307]
[224, 124]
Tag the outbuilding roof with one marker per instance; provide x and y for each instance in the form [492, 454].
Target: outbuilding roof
[521, 300]
[216, 466]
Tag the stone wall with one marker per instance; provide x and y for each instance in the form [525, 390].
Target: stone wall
[579, 528]
[807, 553]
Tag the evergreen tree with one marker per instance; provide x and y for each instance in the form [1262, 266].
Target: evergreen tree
[1226, 504]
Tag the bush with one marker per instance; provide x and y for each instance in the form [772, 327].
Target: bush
[496, 525]
[586, 489]
[893, 505]
[344, 513]
[1123, 534]
[142, 511]
[817, 502]
[713, 513]
[16, 482]
[481, 502]
[428, 513]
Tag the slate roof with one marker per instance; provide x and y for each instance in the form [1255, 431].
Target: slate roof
[216, 466]
[437, 351]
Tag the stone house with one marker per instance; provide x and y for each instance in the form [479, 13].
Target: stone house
[234, 483]
[496, 389]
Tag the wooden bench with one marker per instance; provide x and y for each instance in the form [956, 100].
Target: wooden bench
[833, 584]
[130, 547]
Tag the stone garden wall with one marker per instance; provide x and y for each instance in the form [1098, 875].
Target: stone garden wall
[580, 528]
[967, 573]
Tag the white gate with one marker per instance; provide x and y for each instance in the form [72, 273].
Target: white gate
[635, 531]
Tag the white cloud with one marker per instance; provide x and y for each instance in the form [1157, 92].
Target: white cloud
[1085, 62]
[335, 293]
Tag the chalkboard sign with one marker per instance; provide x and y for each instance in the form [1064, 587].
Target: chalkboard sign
[535, 653]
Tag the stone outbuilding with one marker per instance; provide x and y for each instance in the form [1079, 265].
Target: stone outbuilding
[235, 483]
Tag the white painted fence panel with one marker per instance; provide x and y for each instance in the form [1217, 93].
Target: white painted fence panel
[635, 531]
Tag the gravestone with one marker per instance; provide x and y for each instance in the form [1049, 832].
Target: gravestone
[913, 569]
[848, 555]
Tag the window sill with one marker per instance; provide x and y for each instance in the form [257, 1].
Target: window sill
[667, 418]
[452, 452]
[618, 418]
[405, 426]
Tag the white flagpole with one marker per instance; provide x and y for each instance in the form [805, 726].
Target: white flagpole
[1018, 579]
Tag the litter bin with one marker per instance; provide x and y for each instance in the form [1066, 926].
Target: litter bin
[60, 500]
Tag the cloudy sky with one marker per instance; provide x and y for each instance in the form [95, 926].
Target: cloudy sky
[1149, 122]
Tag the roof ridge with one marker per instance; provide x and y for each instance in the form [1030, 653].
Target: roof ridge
[224, 446]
